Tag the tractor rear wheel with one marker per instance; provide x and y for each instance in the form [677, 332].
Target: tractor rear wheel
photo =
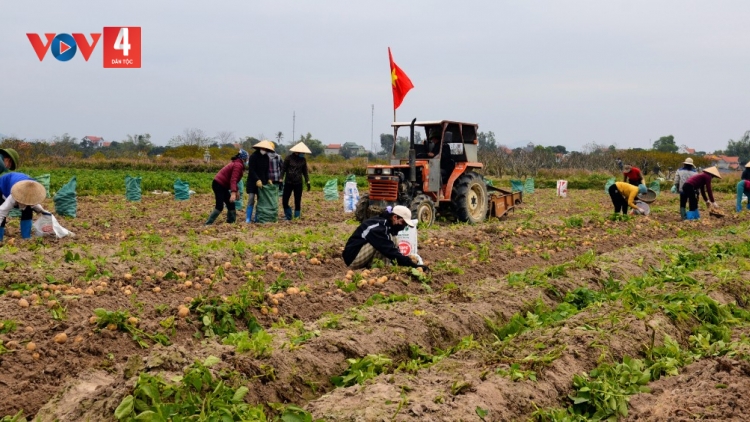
[362, 212]
[423, 209]
[469, 198]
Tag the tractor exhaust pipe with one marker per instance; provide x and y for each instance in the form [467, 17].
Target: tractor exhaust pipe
[412, 154]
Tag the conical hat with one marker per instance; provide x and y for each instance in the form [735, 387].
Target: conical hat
[10, 152]
[713, 170]
[301, 147]
[28, 192]
[265, 145]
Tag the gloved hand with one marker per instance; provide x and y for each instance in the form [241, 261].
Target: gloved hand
[424, 268]
[233, 197]
[259, 184]
[674, 189]
[308, 186]
[714, 204]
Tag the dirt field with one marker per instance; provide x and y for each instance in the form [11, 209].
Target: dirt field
[451, 356]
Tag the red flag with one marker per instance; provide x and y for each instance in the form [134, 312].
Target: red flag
[399, 82]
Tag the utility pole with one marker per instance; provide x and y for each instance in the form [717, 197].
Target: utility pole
[294, 116]
[372, 129]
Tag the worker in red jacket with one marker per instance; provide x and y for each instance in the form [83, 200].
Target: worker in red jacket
[225, 187]
[700, 182]
[632, 175]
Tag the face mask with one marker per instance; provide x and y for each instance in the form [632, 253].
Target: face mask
[263, 152]
[301, 154]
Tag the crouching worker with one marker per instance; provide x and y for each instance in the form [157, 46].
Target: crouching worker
[623, 195]
[374, 236]
[18, 190]
[699, 183]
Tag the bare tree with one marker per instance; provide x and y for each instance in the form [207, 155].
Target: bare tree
[279, 137]
[191, 137]
[224, 137]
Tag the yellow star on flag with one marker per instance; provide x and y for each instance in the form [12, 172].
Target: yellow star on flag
[393, 77]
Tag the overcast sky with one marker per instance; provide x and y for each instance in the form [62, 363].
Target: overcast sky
[549, 72]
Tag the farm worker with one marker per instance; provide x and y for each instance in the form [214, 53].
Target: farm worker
[10, 160]
[274, 169]
[433, 148]
[18, 190]
[257, 174]
[293, 171]
[225, 187]
[632, 175]
[375, 235]
[681, 176]
[743, 188]
[700, 182]
[623, 195]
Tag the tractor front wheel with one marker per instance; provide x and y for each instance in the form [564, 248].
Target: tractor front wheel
[469, 198]
[423, 209]
[362, 212]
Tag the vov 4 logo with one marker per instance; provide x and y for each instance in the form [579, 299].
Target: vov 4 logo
[121, 44]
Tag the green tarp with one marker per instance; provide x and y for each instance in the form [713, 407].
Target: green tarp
[516, 185]
[655, 186]
[66, 202]
[133, 188]
[181, 190]
[331, 190]
[238, 205]
[351, 178]
[609, 183]
[528, 186]
[44, 180]
[267, 208]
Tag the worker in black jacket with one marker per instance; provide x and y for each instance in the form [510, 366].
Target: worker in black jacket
[374, 235]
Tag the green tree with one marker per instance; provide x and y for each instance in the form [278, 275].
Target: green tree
[486, 141]
[666, 144]
[316, 147]
[740, 148]
[386, 142]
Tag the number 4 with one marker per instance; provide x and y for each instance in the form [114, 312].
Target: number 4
[121, 43]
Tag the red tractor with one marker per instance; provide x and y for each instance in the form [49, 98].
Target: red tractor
[442, 171]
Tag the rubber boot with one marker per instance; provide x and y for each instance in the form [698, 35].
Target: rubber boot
[248, 213]
[2, 233]
[231, 216]
[683, 213]
[296, 213]
[211, 218]
[693, 215]
[26, 229]
[288, 213]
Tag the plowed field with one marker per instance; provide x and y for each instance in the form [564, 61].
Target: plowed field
[555, 312]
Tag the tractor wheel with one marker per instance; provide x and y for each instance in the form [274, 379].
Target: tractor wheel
[362, 212]
[423, 209]
[469, 198]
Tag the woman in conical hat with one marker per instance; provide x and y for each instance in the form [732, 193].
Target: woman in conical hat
[698, 183]
[295, 169]
[257, 174]
[18, 190]
[9, 160]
